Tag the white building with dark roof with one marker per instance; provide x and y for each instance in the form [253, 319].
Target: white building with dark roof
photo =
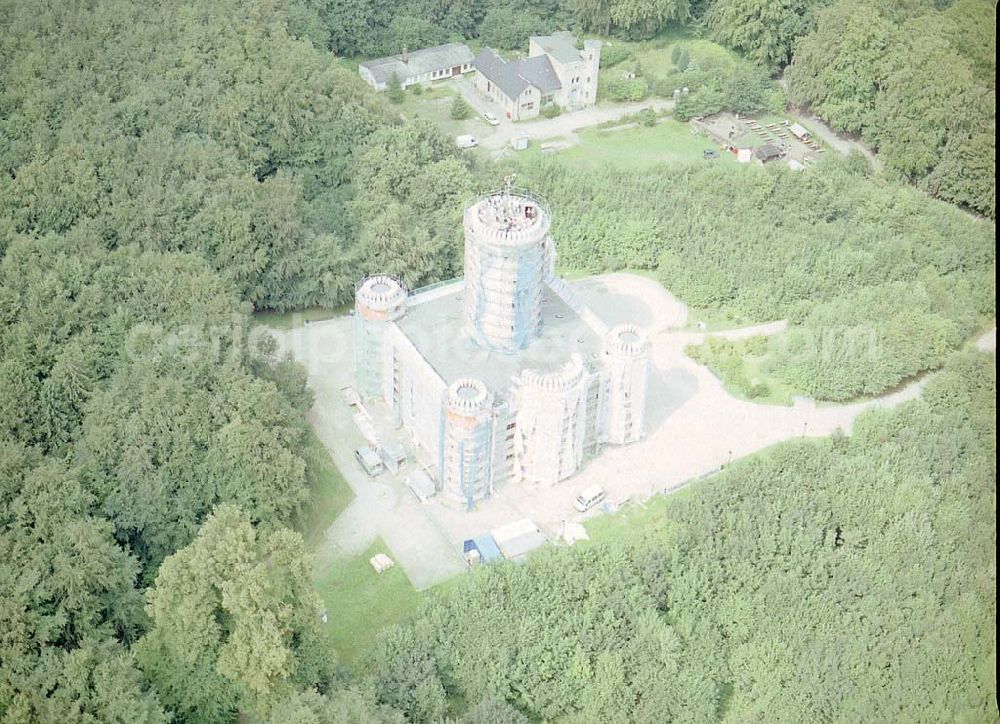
[555, 72]
[418, 66]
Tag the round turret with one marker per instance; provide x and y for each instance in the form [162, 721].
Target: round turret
[508, 220]
[380, 297]
[565, 378]
[626, 357]
[468, 396]
[627, 340]
[509, 255]
[468, 441]
[551, 424]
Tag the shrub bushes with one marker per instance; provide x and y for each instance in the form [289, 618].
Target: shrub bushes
[704, 101]
[750, 90]
[683, 60]
[393, 90]
[627, 90]
[550, 111]
[614, 53]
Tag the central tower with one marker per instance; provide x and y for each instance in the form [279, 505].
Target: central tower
[509, 256]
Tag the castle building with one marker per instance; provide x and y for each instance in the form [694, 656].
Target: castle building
[505, 375]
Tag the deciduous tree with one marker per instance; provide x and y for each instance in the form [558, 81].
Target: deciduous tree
[234, 622]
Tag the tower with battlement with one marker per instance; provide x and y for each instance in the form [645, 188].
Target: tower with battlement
[379, 300]
[467, 444]
[552, 417]
[505, 376]
[626, 363]
[509, 257]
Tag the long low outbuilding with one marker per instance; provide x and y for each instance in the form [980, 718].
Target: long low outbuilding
[418, 66]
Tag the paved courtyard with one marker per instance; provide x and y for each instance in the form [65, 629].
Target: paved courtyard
[693, 428]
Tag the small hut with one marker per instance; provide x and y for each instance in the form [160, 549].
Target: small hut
[766, 153]
[799, 132]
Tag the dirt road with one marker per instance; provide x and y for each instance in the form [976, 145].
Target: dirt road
[564, 125]
[835, 140]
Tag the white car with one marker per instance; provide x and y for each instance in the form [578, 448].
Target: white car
[588, 498]
[491, 119]
[466, 141]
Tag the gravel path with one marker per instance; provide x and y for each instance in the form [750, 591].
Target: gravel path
[694, 428]
[564, 125]
[835, 140]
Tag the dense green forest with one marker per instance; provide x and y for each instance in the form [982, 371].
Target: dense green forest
[168, 168]
[152, 149]
[917, 82]
[878, 284]
[848, 579]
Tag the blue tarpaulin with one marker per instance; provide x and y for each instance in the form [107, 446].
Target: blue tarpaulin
[487, 547]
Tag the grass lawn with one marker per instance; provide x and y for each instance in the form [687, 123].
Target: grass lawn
[329, 492]
[433, 103]
[633, 521]
[358, 600]
[637, 148]
[291, 320]
[361, 602]
[652, 58]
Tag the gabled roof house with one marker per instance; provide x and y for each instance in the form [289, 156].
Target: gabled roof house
[419, 66]
[556, 72]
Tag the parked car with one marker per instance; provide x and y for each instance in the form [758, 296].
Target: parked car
[491, 119]
[368, 458]
[709, 153]
[466, 141]
[588, 498]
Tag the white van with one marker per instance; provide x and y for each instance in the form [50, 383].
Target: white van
[588, 498]
[466, 141]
